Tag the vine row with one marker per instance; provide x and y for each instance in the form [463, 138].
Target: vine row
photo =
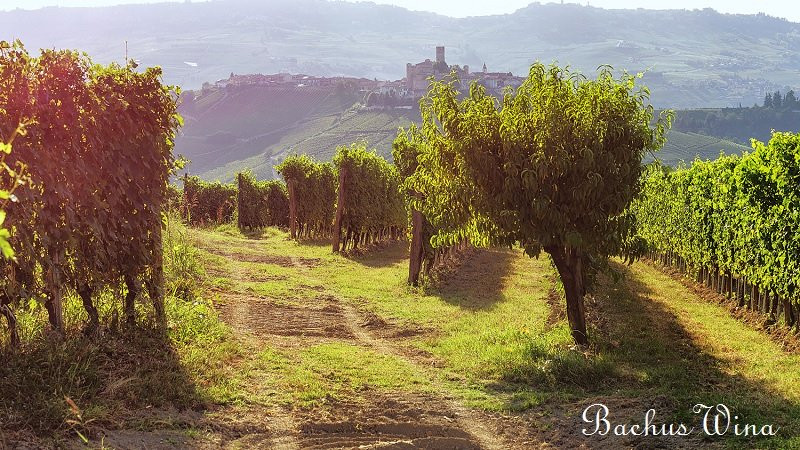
[97, 144]
[733, 223]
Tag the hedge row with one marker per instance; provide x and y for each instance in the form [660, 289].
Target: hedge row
[312, 195]
[207, 203]
[370, 207]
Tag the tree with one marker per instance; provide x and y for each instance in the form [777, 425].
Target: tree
[553, 168]
[776, 100]
[768, 100]
[790, 101]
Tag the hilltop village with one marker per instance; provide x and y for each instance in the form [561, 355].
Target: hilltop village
[402, 93]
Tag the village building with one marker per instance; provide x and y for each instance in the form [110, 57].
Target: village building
[418, 76]
[398, 93]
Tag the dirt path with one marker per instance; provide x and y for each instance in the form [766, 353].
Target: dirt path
[465, 419]
[381, 419]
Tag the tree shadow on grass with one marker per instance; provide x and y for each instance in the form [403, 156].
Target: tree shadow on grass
[477, 282]
[642, 357]
[104, 378]
[256, 234]
[315, 242]
[381, 255]
[660, 364]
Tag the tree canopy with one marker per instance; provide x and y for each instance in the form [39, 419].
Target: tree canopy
[553, 167]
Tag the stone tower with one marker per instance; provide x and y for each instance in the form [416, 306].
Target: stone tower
[440, 54]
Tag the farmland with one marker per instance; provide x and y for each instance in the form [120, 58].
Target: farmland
[694, 58]
[297, 314]
[256, 127]
[301, 347]
[486, 277]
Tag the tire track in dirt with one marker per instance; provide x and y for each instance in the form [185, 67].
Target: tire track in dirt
[464, 429]
[280, 427]
[376, 419]
[464, 417]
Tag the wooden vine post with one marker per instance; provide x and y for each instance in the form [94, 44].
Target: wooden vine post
[291, 186]
[239, 201]
[415, 259]
[53, 303]
[340, 200]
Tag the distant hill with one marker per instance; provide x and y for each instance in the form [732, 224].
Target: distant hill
[227, 125]
[695, 58]
[232, 129]
[738, 124]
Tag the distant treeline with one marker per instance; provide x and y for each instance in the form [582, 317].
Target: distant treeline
[778, 112]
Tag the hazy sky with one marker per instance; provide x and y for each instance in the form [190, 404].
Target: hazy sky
[789, 9]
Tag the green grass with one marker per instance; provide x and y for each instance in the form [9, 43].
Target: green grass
[339, 370]
[496, 341]
[491, 330]
[124, 370]
[669, 343]
[502, 348]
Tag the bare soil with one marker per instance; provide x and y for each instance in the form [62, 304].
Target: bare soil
[379, 419]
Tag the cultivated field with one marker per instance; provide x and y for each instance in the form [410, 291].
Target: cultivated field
[301, 348]
[256, 127]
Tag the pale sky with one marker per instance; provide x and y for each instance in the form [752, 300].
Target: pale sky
[789, 9]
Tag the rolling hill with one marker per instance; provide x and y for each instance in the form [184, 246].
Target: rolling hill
[694, 59]
[254, 127]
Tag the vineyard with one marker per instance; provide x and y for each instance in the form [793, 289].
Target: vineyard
[369, 207]
[686, 147]
[96, 146]
[371, 303]
[732, 224]
[220, 147]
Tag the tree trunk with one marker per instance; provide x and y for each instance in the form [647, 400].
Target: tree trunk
[796, 315]
[569, 263]
[6, 311]
[53, 302]
[85, 292]
[773, 309]
[130, 300]
[740, 291]
[728, 285]
[340, 199]
[788, 315]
